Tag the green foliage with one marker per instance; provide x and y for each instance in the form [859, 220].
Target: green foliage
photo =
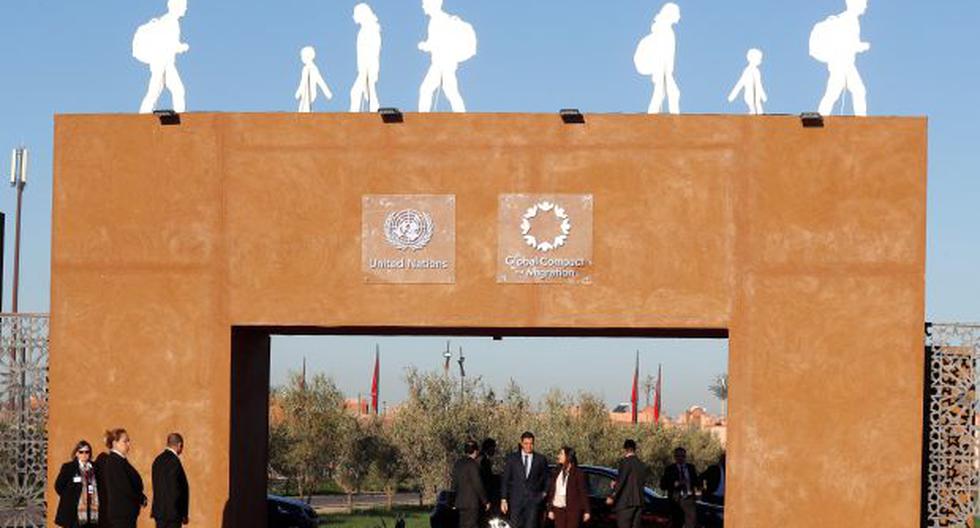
[415, 517]
[432, 425]
[318, 440]
[307, 444]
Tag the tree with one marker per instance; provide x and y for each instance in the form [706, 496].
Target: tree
[719, 387]
[357, 451]
[434, 422]
[649, 384]
[304, 445]
[388, 465]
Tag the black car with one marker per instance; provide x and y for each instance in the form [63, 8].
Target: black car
[656, 512]
[290, 513]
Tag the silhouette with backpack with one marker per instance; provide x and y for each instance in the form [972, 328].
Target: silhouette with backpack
[157, 44]
[450, 41]
[654, 57]
[836, 42]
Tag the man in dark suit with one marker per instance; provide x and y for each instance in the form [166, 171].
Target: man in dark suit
[171, 493]
[491, 481]
[627, 497]
[524, 485]
[679, 481]
[470, 497]
[714, 482]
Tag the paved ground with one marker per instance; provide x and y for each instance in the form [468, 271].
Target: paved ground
[338, 503]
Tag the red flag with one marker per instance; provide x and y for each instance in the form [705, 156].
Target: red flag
[656, 396]
[634, 399]
[374, 380]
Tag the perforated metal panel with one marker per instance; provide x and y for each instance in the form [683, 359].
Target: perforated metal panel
[23, 419]
[952, 474]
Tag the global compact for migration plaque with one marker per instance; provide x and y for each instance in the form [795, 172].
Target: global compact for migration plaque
[544, 238]
[408, 238]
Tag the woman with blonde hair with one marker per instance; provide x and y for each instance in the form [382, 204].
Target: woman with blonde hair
[123, 484]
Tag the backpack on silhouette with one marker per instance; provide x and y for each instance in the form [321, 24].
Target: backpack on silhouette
[464, 38]
[645, 58]
[826, 38]
[149, 42]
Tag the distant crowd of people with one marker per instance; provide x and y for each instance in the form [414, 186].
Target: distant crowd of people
[528, 489]
[108, 493]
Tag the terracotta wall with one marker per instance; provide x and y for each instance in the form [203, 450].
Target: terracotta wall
[807, 244]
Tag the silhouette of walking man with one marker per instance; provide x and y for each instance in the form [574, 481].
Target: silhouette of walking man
[750, 83]
[450, 41]
[655, 57]
[836, 41]
[157, 43]
[368, 60]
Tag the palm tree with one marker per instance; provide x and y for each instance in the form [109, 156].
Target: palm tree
[649, 382]
[719, 387]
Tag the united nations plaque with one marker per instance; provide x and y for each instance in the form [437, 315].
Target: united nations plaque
[544, 238]
[408, 238]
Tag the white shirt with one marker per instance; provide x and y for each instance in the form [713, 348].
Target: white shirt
[174, 452]
[561, 487]
[527, 459]
[118, 453]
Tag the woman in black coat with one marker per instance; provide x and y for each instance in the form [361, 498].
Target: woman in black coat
[123, 484]
[78, 494]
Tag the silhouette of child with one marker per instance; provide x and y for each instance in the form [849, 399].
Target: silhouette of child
[159, 51]
[310, 81]
[750, 83]
[368, 59]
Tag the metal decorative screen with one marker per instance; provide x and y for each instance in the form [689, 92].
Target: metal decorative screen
[23, 419]
[951, 472]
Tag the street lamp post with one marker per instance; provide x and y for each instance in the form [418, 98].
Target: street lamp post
[18, 180]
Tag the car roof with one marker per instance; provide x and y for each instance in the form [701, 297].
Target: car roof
[287, 500]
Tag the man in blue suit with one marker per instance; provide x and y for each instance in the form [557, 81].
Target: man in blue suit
[524, 485]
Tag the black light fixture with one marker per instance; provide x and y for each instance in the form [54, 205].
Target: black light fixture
[167, 117]
[391, 115]
[811, 120]
[571, 116]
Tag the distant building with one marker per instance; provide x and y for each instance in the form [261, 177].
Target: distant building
[695, 417]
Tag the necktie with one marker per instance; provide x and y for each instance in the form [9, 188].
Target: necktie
[527, 466]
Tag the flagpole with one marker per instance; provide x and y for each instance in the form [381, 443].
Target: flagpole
[635, 396]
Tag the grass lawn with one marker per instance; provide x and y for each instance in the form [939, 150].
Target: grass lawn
[415, 517]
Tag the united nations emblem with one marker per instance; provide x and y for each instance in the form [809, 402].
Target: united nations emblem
[409, 229]
[564, 226]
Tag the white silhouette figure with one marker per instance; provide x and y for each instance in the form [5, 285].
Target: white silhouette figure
[450, 41]
[368, 60]
[310, 81]
[157, 43]
[750, 83]
[655, 57]
[836, 41]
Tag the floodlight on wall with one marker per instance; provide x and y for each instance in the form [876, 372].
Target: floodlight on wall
[571, 116]
[167, 117]
[811, 120]
[391, 115]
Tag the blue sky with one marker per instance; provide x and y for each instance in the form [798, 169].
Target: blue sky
[62, 56]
